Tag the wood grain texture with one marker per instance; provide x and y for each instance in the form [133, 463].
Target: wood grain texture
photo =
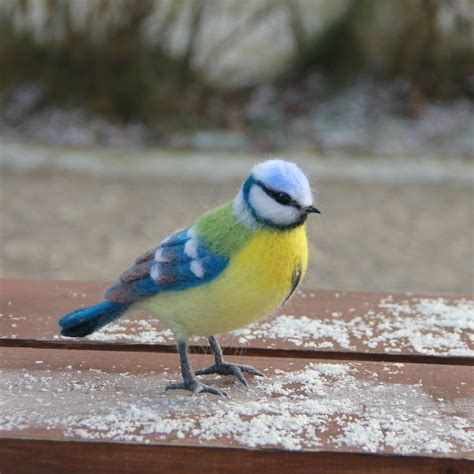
[57, 457]
[350, 325]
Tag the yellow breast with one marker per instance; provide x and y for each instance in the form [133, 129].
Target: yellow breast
[256, 281]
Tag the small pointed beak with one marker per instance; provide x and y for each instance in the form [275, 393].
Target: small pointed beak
[310, 209]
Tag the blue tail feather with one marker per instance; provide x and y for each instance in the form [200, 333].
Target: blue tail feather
[85, 321]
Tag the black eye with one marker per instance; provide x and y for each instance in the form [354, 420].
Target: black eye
[279, 196]
[283, 198]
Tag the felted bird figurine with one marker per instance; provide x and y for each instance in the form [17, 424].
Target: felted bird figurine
[234, 265]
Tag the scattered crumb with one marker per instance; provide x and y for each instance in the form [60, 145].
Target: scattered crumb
[431, 326]
[143, 331]
[320, 406]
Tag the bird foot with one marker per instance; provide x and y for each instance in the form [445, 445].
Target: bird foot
[195, 386]
[226, 368]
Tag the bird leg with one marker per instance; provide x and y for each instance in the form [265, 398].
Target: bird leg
[190, 381]
[225, 368]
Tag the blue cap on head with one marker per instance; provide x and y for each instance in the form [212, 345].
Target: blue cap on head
[286, 177]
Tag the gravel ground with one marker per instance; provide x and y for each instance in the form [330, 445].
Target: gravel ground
[380, 236]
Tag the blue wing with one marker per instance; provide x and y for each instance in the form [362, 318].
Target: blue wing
[181, 261]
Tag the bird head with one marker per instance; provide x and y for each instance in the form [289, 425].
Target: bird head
[277, 194]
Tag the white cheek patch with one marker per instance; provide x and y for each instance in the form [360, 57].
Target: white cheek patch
[268, 209]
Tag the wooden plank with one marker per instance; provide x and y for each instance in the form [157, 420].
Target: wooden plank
[325, 410]
[321, 323]
[57, 457]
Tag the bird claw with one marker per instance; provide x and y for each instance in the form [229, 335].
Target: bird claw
[231, 369]
[195, 386]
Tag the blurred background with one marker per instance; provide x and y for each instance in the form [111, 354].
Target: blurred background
[122, 120]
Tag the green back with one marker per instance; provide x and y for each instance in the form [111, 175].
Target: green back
[221, 231]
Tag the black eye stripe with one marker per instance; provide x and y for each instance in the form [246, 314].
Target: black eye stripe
[281, 197]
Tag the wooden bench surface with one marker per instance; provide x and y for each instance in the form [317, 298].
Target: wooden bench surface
[322, 323]
[356, 382]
